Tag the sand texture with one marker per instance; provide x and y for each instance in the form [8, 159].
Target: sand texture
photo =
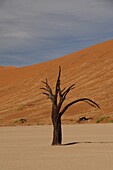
[90, 69]
[86, 147]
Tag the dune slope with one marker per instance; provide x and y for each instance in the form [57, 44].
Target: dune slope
[91, 69]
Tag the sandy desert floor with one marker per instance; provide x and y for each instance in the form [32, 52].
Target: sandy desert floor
[86, 147]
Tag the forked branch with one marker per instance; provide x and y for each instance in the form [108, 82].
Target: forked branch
[64, 94]
[48, 90]
[61, 95]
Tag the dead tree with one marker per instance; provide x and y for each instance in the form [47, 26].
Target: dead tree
[57, 98]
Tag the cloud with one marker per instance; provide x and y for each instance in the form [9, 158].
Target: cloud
[2, 2]
[36, 31]
[17, 35]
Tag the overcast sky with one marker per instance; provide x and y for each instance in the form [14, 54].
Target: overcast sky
[34, 31]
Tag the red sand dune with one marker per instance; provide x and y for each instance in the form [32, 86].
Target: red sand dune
[6, 67]
[90, 69]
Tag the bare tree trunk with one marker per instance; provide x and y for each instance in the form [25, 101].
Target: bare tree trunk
[57, 134]
[57, 129]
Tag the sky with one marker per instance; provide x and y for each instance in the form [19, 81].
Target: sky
[35, 31]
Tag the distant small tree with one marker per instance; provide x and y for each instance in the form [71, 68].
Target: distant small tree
[57, 99]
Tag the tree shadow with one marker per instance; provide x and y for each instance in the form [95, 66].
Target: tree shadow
[87, 142]
[71, 143]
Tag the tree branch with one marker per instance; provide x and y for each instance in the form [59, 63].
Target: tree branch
[63, 95]
[48, 90]
[58, 90]
[89, 101]
[67, 91]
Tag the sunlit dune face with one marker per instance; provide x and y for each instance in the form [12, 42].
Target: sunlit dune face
[91, 70]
